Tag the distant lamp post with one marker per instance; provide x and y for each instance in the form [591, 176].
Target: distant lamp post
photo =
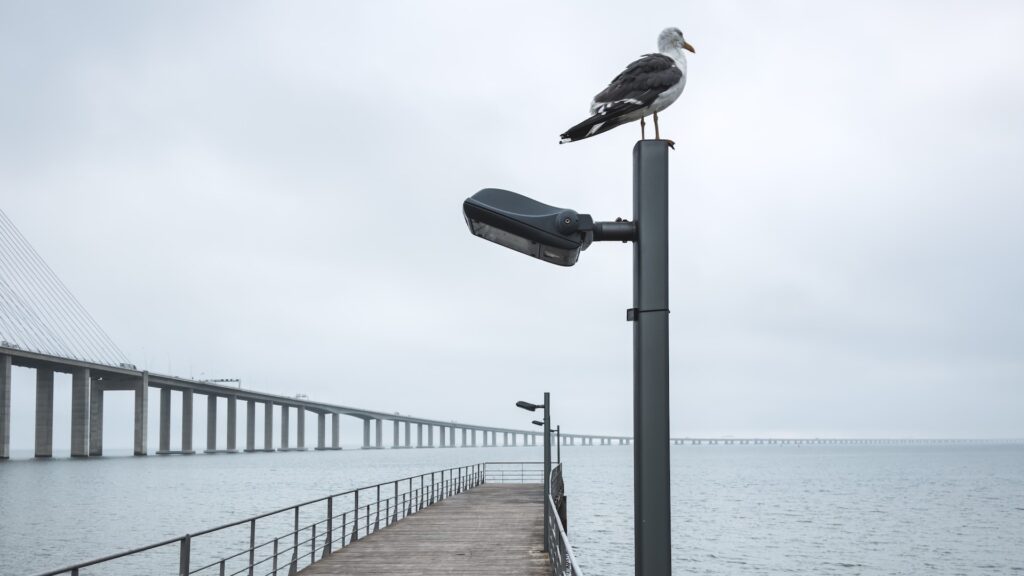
[546, 423]
[556, 436]
[557, 236]
[558, 442]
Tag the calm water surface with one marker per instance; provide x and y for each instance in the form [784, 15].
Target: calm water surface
[736, 509]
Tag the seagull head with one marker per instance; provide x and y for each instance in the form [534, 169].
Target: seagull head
[671, 41]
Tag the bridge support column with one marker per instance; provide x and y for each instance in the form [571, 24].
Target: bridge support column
[464, 438]
[79, 411]
[380, 433]
[395, 443]
[268, 426]
[336, 431]
[300, 429]
[165, 420]
[419, 435]
[211, 423]
[232, 424]
[430, 435]
[5, 407]
[408, 434]
[96, 419]
[186, 421]
[444, 437]
[44, 412]
[505, 439]
[366, 433]
[142, 415]
[321, 431]
[451, 436]
[473, 438]
[285, 425]
[250, 425]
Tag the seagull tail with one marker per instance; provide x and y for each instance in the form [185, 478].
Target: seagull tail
[592, 126]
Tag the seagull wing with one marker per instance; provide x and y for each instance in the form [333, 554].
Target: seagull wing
[633, 90]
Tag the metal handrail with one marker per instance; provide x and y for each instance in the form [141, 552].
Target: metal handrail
[306, 544]
[563, 561]
[514, 472]
[356, 523]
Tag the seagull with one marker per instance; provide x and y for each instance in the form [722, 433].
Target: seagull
[644, 88]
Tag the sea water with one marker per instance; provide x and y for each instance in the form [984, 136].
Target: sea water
[736, 509]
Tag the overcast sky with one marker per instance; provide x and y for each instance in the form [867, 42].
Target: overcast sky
[272, 191]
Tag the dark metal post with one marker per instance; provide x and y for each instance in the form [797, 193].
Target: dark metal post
[185, 555]
[558, 441]
[330, 526]
[547, 466]
[651, 502]
[252, 545]
[355, 518]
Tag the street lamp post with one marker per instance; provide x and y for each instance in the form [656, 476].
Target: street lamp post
[558, 442]
[547, 456]
[557, 236]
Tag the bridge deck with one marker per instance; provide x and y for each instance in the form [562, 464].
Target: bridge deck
[490, 529]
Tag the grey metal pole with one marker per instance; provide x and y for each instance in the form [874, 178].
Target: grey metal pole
[547, 466]
[558, 441]
[651, 502]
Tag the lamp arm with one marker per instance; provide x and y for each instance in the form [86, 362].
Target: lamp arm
[623, 230]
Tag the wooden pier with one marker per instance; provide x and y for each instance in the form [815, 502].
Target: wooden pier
[490, 529]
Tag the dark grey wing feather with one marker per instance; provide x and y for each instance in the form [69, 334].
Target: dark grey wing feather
[638, 86]
[642, 80]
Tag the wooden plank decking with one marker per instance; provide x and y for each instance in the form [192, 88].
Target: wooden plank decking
[491, 529]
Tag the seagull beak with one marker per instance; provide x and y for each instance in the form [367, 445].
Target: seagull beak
[687, 46]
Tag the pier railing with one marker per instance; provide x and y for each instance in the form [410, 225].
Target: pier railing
[302, 534]
[563, 561]
[288, 539]
[514, 473]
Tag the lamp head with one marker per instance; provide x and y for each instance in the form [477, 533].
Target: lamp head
[555, 235]
[527, 406]
[538, 422]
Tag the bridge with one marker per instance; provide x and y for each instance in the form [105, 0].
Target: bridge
[44, 327]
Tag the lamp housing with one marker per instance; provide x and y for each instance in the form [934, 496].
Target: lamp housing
[548, 233]
[527, 406]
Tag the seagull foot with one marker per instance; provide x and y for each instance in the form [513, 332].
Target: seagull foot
[671, 144]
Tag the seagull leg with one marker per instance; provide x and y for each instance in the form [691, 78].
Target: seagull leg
[657, 133]
[642, 125]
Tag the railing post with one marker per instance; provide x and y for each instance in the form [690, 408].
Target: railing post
[295, 534]
[252, 544]
[330, 526]
[273, 563]
[344, 527]
[312, 547]
[376, 518]
[355, 519]
[395, 516]
[184, 554]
